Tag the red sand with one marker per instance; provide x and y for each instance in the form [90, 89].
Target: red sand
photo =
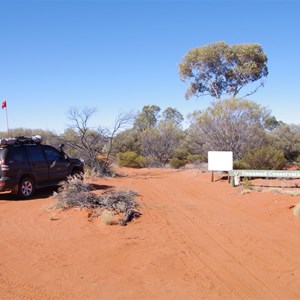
[195, 240]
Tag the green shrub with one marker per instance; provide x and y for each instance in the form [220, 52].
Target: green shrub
[265, 158]
[196, 158]
[240, 165]
[131, 159]
[181, 154]
[176, 163]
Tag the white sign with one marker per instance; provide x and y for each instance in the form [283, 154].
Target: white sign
[220, 160]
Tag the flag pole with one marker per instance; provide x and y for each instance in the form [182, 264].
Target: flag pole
[7, 121]
[4, 105]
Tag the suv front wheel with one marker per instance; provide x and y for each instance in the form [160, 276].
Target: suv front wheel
[26, 187]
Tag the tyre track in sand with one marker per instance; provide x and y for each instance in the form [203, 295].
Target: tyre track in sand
[224, 268]
[26, 247]
[222, 280]
[12, 289]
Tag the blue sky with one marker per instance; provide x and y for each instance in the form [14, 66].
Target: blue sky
[118, 56]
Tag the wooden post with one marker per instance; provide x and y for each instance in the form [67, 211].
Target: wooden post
[232, 181]
[212, 176]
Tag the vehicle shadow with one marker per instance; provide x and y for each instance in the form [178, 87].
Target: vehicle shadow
[42, 193]
[46, 192]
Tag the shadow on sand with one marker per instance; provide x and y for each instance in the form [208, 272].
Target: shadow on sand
[45, 193]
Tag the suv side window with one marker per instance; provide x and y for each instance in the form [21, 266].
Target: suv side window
[52, 154]
[16, 154]
[35, 153]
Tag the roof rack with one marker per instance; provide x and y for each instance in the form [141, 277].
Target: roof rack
[36, 139]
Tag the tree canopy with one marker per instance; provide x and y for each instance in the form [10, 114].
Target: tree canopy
[217, 69]
[230, 125]
[148, 118]
[159, 134]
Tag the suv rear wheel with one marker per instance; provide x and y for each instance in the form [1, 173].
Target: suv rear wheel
[26, 187]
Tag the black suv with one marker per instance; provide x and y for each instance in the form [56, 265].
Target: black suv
[26, 164]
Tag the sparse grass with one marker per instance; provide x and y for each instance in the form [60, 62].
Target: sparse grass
[108, 218]
[291, 192]
[75, 193]
[247, 183]
[50, 210]
[246, 191]
[283, 187]
[90, 174]
[202, 167]
[297, 210]
[53, 216]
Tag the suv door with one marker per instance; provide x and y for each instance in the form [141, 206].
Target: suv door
[58, 164]
[38, 162]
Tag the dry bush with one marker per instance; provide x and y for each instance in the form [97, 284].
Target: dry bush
[119, 201]
[76, 193]
[90, 173]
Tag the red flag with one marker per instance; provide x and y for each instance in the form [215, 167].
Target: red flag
[3, 104]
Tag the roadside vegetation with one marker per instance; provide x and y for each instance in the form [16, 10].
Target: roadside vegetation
[250, 131]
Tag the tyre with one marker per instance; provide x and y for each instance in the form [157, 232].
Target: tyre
[26, 188]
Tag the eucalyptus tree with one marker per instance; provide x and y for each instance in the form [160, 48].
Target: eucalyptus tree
[159, 143]
[171, 114]
[147, 118]
[220, 69]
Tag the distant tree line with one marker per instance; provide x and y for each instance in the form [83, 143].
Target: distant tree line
[156, 138]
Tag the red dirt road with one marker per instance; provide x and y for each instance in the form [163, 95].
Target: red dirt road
[195, 240]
